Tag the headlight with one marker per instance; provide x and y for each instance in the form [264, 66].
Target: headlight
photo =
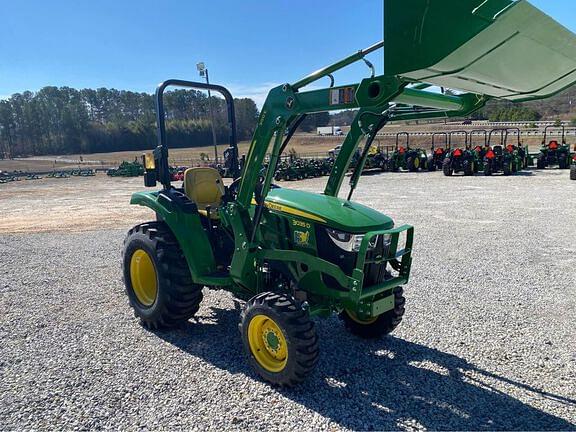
[350, 242]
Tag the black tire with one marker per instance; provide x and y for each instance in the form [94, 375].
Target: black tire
[383, 325]
[392, 166]
[507, 168]
[563, 162]
[573, 172]
[447, 167]
[298, 330]
[541, 162]
[487, 169]
[431, 164]
[411, 164]
[177, 298]
[468, 168]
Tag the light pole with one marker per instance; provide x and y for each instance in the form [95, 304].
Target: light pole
[203, 71]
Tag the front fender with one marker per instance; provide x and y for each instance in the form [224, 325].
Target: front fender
[188, 230]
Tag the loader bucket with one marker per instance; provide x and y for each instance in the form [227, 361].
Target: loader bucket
[500, 48]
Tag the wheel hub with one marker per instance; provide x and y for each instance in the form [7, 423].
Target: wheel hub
[267, 343]
[143, 278]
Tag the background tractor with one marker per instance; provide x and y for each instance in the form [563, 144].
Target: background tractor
[290, 256]
[405, 157]
[460, 158]
[519, 152]
[479, 149]
[502, 157]
[437, 153]
[553, 152]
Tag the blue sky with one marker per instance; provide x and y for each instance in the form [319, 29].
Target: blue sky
[248, 46]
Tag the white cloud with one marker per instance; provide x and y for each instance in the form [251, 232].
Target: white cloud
[256, 92]
[4, 97]
[259, 92]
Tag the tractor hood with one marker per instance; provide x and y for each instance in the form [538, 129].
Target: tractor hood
[330, 211]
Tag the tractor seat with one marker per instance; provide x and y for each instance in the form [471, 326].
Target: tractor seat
[204, 187]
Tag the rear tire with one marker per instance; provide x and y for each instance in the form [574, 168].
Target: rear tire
[573, 172]
[563, 163]
[507, 168]
[541, 162]
[411, 164]
[279, 339]
[431, 164]
[157, 278]
[468, 167]
[384, 324]
[447, 167]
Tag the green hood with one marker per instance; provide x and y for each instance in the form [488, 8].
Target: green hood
[327, 210]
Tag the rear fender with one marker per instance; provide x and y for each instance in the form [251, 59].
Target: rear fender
[184, 221]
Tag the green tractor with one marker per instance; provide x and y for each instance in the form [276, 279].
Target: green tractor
[459, 159]
[553, 152]
[519, 150]
[479, 149]
[406, 157]
[503, 157]
[293, 256]
[438, 154]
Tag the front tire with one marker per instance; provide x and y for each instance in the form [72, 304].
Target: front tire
[157, 278]
[541, 162]
[380, 326]
[279, 339]
[468, 168]
[413, 164]
[447, 167]
[573, 172]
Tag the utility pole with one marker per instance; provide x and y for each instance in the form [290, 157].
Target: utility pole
[203, 71]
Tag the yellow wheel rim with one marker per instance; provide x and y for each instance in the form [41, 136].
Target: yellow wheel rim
[267, 343]
[355, 318]
[143, 277]
[417, 163]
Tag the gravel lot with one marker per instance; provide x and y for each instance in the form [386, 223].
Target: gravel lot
[487, 343]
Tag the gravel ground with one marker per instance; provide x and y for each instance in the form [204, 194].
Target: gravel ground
[487, 343]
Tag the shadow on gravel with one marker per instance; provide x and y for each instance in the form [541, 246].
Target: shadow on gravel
[382, 385]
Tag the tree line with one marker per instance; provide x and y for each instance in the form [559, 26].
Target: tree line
[63, 120]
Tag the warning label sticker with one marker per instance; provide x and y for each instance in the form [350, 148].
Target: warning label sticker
[342, 96]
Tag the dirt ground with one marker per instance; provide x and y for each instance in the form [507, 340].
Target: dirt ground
[69, 204]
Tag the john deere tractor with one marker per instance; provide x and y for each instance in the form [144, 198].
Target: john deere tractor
[479, 149]
[519, 151]
[459, 158]
[292, 256]
[406, 157]
[438, 154]
[502, 157]
[553, 152]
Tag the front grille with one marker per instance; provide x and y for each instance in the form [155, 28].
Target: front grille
[327, 250]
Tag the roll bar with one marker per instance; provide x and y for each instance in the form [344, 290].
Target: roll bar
[407, 139]
[435, 134]
[555, 127]
[466, 143]
[518, 133]
[161, 152]
[478, 132]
